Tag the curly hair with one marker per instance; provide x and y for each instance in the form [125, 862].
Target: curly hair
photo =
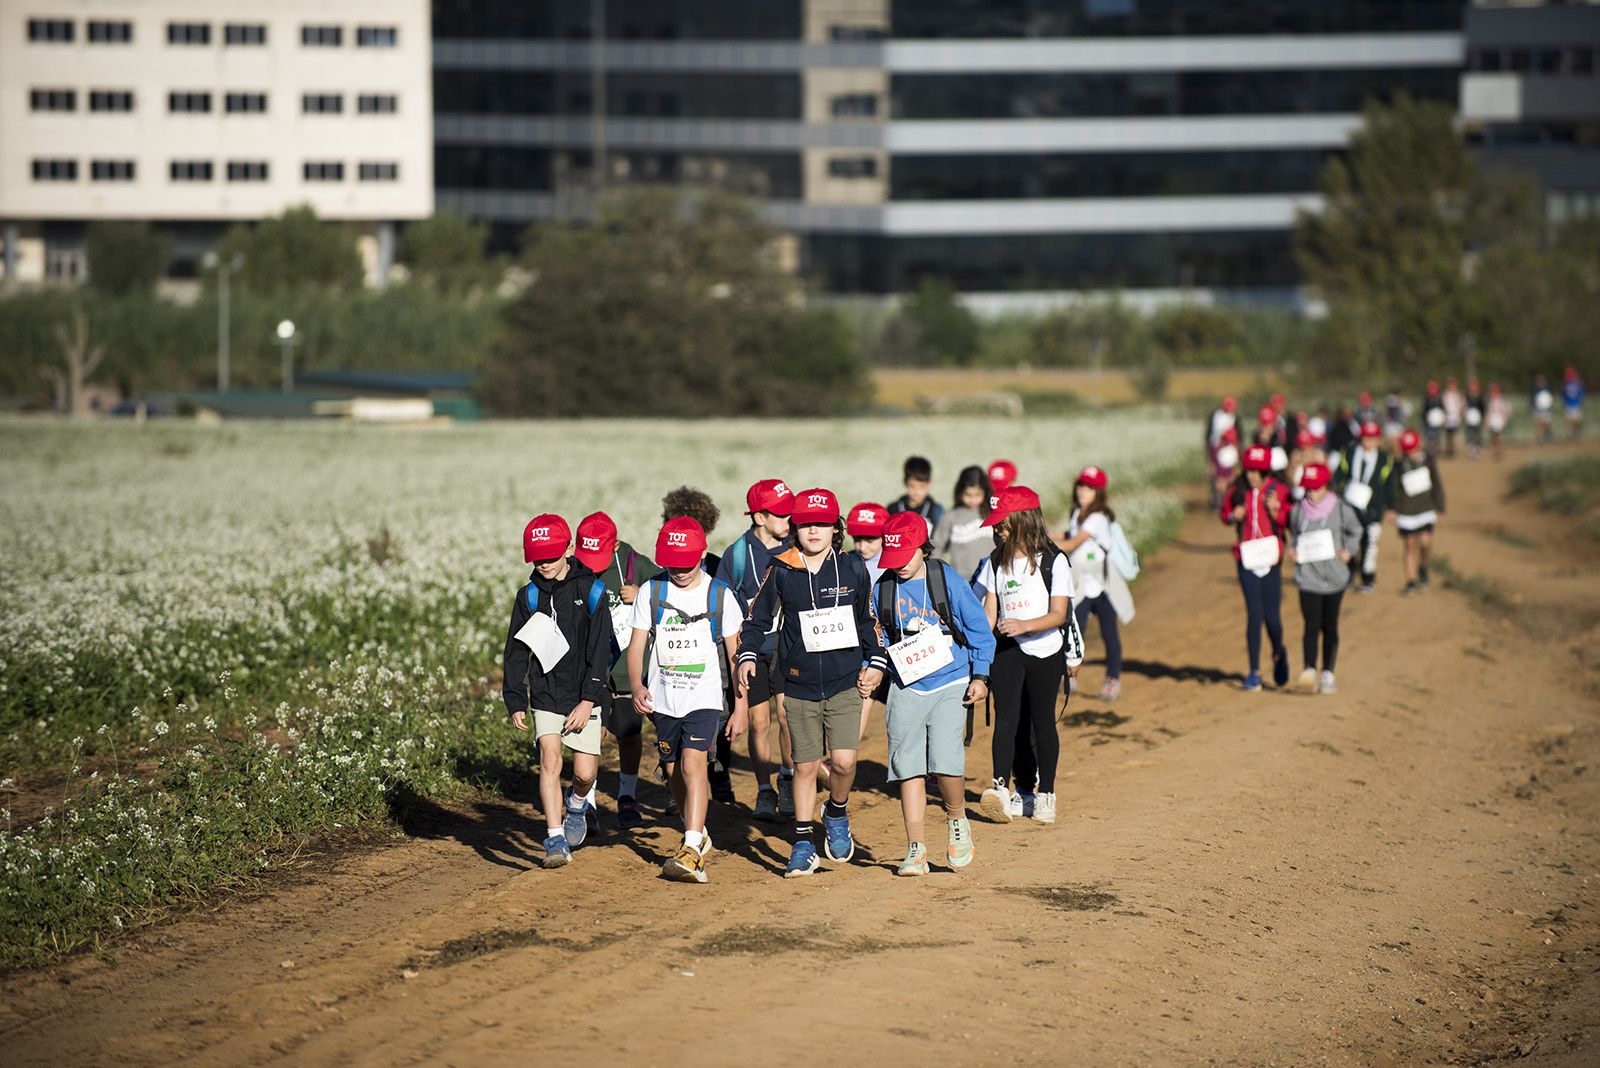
[696, 504]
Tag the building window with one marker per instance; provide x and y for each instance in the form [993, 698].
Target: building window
[247, 170]
[189, 102]
[110, 32]
[55, 170]
[190, 170]
[855, 33]
[236, 33]
[852, 167]
[111, 170]
[247, 103]
[57, 30]
[379, 172]
[376, 36]
[110, 100]
[1581, 61]
[321, 36]
[854, 106]
[323, 171]
[322, 103]
[378, 104]
[189, 33]
[53, 99]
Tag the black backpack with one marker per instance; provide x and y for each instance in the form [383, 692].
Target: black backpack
[938, 593]
[1071, 636]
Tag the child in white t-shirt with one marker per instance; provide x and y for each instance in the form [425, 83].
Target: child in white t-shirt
[1088, 549]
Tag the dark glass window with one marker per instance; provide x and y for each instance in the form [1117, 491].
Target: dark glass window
[107, 32]
[321, 36]
[629, 20]
[378, 104]
[379, 172]
[1035, 96]
[189, 33]
[53, 99]
[110, 100]
[111, 170]
[247, 170]
[854, 106]
[189, 170]
[52, 30]
[376, 36]
[491, 167]
[1581, 61]
[247, 103]
[55, 170]
[198, 102]
[322, 103]
[853, 167]
[1162, 18]
[856, 33]
[1110, 174]
[244, 34]
[323, 171]
[628, 94]
[1548, 61]
[1488, 60]
[1518, 60]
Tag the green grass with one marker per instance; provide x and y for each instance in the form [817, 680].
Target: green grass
[1477, 587]
[1569, 485]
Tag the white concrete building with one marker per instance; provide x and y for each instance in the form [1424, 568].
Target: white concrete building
[196, 114]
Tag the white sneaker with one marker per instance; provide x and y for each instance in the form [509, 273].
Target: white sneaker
[1044, 807]
[996, 803]
[1014, 806]
[1328, 685]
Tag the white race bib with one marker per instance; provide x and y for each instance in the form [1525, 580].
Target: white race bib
[1543, 401]
[1416, 482]
[1026, 601]
[1280, 459]
[1314, 546]
[1435, 417]
[1227, 457]
[1359, 494]
[541, 635]
[681, 645]
[1259, 553]
[826, 629]
[921, 654]
[622, 624]
[1474, 417]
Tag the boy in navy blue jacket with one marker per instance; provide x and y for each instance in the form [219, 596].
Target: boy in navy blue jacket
[833, 656]
[557, 659]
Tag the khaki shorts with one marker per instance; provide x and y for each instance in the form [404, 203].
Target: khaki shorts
[818, 727]
[584, 741]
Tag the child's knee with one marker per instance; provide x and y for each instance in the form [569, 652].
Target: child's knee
[844, 761]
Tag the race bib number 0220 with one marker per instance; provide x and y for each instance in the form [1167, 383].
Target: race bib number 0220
[826, 629]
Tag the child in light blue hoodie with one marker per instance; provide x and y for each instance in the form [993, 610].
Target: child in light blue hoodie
[940, 648]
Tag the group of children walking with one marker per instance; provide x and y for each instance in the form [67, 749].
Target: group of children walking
[794, 639]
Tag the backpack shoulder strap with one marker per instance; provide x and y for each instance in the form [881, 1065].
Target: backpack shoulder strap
[533, 597]
[887, 590]
[939, 594]
[714, 599]
[658, 600]
[628, 571]
[597, 593]
[736, 566]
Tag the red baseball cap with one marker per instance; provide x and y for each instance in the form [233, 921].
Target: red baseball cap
[1267, 415]
[1371, 429]
[1092, 476]
[1011, 499]
[1410, 441]
[1433, 388]
[1366, 398]
[681, 543]
[815, 506]
[903, 535]
[1278, 402]
[1258, 458]
[1315, 476]
[866, 520]
[1001, 474]
[1230, 404]
[597, 541]
[1304, 439]
[769, 495]
[546, 537]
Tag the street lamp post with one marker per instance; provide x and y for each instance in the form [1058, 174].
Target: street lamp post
[225, 270]
[286, 339]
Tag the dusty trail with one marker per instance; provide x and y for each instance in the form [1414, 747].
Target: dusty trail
[1401, 873]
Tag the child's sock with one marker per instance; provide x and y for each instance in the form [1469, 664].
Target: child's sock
[836, 809]
[628, 785]
[575, 802]
[692, 839]
[554, 831]
[802, 831]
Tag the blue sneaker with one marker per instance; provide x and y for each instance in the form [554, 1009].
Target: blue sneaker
[1252, 682]
[1280, 667]
[576, 827]
[803, 861]
[836, 841]
[557, 853]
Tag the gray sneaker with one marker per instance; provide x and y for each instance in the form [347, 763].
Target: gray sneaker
[766, 805]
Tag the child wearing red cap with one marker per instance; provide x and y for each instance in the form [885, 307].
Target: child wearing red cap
[1027, 589]
[1306, 451]
[1455, 414]
[960, 538]
[940, 648]
[1362, 479]
[769, 504]
[828, 643]
[1269, 433]
[1088, 549]
[1224, 464]
[919, 489]
[1433, 417]
[557, 658]
[1418, 502]
[621, 570]
[1472, 416]
[1497, 416]
[680, 657]
[1327, 535]
[1257, 507]
[1542, 406]
[865, 525]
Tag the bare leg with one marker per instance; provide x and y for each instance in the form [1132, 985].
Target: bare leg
[1412, 554]
[761, 742]
[953, 790]
[585, 770]
[786, 744]
[550, 781]
[842, 777]
[805, 791]
[914, 808]
[1424, 548]
[692, 788]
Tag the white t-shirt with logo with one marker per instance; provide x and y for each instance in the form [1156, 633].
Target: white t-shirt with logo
[683, 688]
[1089, 559]
[1021, 595]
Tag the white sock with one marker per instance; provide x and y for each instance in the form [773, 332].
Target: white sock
[628, 786]
[557, 831]
[575, 803]
[589, 797]
[692, 839]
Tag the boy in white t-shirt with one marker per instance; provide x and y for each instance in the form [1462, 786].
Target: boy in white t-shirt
[690, 624]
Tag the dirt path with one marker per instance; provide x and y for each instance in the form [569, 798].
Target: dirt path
[1402, 873]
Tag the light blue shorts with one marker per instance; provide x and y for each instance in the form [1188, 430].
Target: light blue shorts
[927, 732]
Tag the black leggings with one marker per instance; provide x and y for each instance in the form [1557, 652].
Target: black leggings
[1025, 689]
[1101, 607]
[1321, 612]
[1263, 596]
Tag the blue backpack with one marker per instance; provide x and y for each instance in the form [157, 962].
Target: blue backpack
[595, 594]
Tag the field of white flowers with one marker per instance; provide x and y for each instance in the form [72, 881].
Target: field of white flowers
[217, 639]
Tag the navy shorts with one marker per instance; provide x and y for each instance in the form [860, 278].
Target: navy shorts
[674, 734]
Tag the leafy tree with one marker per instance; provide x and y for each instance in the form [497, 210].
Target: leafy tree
[446, 252]
[126, 257]
[294, 251]
[932, 326]
[672, 306]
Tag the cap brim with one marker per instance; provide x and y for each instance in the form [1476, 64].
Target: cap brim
[895, 559]
[596, 562]
[679, 559]
[994, 519]
[801, 519]
[543, 555]
[864, 532]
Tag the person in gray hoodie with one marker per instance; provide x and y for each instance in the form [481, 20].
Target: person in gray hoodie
[1325, 533]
